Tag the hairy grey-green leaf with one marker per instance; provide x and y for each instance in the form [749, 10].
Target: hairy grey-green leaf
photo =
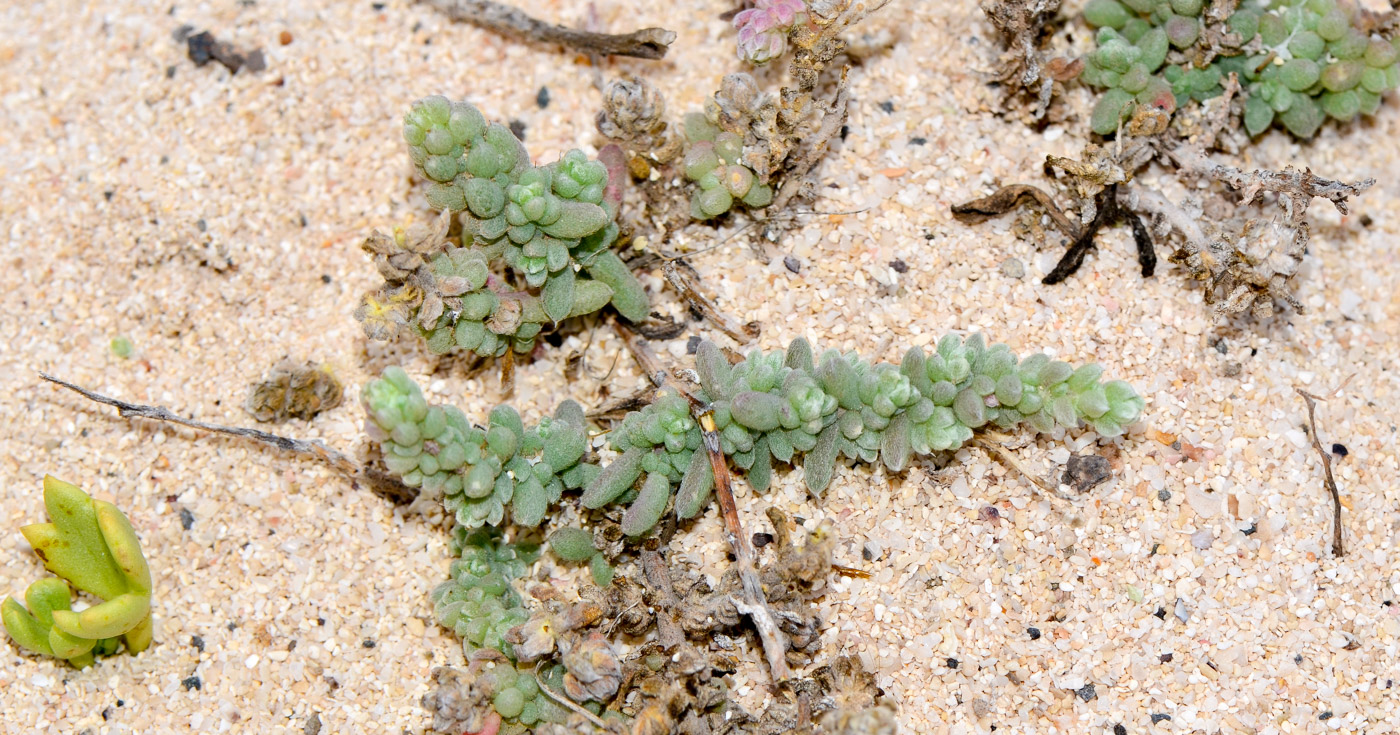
[615, 479]
[696, 484]
[649, 506]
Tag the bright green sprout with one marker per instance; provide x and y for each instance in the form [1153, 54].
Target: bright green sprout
[91, 545]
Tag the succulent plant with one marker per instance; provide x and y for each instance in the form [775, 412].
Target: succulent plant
[496, 698]
[478, 602]
[777, 406]
[92, 546]
[763, 29]
[712, 161]
[480, 473]
[535, 249]
[1298, 61]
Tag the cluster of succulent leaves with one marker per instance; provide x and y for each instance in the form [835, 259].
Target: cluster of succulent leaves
[792, 407]
[480, 472]
[712, 162]
[478, 602]
[1297, 61]
[90, 545]
[551, 226]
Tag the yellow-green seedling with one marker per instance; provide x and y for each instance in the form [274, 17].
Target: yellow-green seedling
[92, 545]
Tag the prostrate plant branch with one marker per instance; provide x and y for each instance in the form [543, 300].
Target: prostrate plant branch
[647, 43]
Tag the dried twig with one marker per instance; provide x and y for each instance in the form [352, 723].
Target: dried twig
[682, 283]
[1327, 468]
[753, 603]
[566, 702]
[1007, 198]
[313, 448]
[658, 579]
[998, 452]
[647, 43]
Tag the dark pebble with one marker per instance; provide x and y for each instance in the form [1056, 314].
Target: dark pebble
[952, 663]
[1325, 715]
[1087, 693]
[1253, 529]
[197, 642]
[1156, 718]
[761, 539]
[367, 643]
[1338, 449]
[792, 264]
[517, 128]
[1298, 659]
[918, 141]
[1084, 472]
[1161, 613]
[1034, 633]
[1165, 658]
[325, 278]
[1164, 495]
[377, 6]
[692, 345]
[845, 130]
[313, 724]
[193, 683]
[1119, 729]
[200, 48]
[899, 266]
[542, 97]
[887, 106]
[186, 518]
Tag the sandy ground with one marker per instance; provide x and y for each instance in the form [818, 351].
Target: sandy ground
[214, 220]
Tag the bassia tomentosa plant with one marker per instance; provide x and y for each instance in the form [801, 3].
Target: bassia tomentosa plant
[1298, 61]
[792, 407]
[536, 241]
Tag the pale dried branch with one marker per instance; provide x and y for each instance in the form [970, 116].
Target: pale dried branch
[647, 43]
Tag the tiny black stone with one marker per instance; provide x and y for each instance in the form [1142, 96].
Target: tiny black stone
[1161, 613]
[918, 141]
[1366, 220]
[1034, 633]
[542, 97]
[186, 518]
[106, 713]
[1340, 450]
[1087, 693]
[367, 643]
[325, 278]
[170, 72]
[1083, 472]
[1388, 603]
[1156, 718]
[108, 194]
[1165, 658]
[197, 642]
[320, 621]
[1298, 659]
[1154, 549]
[761, 539]
[887, 106]
[302, 218]
[952, 663]
[377, 6]
[692, 345]
[233, 626]
[1164, 495]
[1253, 529]
[517, 128]
[899, 266]
[121, 703]
[193, 683]
[201, 225]
[1325, 715]
[845, 130]
[1119, 729]
[792, 264]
